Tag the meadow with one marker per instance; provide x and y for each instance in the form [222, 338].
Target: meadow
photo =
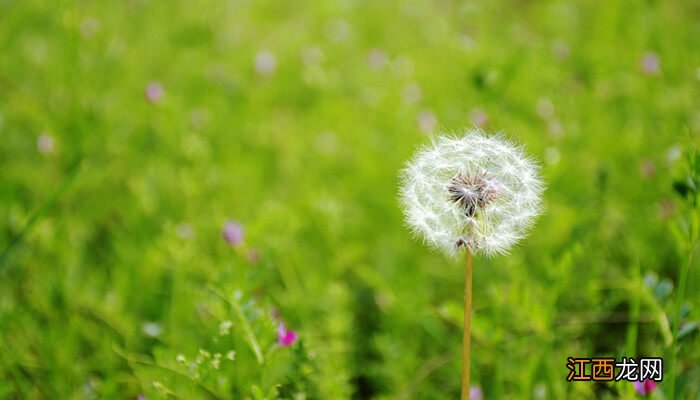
[199, 200]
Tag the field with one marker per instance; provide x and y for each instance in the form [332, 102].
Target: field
[179, 179]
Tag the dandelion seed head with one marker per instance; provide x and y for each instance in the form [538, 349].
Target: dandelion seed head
[471, 190]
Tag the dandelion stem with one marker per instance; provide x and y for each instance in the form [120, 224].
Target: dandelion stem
[466, 348]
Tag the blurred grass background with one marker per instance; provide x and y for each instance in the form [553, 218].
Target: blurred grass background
[131, 131]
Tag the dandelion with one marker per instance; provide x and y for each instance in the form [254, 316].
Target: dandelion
[232, 233]
[473, 192]
[285, 337]
[645, 388]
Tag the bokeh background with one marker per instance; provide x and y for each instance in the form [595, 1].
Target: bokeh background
[133, 133]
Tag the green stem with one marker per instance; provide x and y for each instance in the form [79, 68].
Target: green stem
[677, 321]
[466, 335]
[247, 329]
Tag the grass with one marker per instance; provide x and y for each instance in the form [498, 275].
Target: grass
[113, 262]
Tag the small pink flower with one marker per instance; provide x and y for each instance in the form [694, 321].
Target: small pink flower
[427, 121]
[45, 143]
[651, 65]
[233, 233]
[645, 388]
[479, 117]
[285, 337]
[377, 59]
[252, 256]
[155, 92]
[475, 393]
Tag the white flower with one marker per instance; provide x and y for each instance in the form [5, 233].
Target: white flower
[471, 190]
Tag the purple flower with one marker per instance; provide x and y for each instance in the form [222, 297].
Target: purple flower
[479, 117]
[645, 388]
[651, 65]
[252, 256]
[475, 393]
[155, 92]
[233, 233]
[285, 337]
[45, 143]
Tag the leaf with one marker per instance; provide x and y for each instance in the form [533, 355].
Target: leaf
[682, 188]
[687, 328]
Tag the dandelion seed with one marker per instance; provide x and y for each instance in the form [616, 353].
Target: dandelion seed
[285, 337]
[645, 388]
[155, 93]
[181, 359]
[233, 233]
[231, 355]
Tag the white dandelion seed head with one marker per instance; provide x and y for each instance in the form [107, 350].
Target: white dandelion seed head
[471, 190]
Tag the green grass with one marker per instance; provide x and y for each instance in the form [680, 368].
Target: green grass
[117, 232]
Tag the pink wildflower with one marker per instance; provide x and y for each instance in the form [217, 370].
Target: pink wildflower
[285, 337]
[233, 233]
[645, 388]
